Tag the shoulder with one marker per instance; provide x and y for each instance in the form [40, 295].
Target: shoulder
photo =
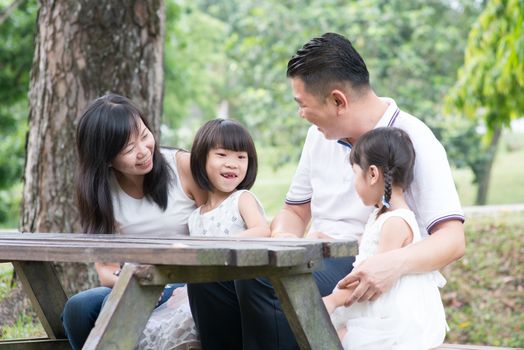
[248, 199]
[396, 226]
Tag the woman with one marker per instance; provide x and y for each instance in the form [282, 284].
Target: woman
[124, 185]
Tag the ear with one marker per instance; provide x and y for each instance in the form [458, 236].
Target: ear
[373, 174]
[339, 99]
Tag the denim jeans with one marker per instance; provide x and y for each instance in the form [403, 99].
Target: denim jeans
[82, 310]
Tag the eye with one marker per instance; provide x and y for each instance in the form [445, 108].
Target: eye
[242, 156]
[128, 150]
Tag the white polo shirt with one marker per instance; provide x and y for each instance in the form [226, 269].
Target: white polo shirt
[324, 177]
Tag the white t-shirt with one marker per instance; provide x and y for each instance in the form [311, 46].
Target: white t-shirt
[325, 179]
[145, 217]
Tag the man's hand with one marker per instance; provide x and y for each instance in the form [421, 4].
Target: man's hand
[374, 276]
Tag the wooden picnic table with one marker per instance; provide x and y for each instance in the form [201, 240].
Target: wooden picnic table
[153, 262]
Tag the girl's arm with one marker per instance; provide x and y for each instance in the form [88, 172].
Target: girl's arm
[395, 233]
[106, 273]
[253, 216]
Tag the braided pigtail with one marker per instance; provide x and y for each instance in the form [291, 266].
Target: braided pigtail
[388, 185]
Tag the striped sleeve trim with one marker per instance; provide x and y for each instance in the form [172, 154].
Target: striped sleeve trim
[292, 202]
[445, 218]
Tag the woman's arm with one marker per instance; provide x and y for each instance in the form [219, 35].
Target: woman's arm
[253, 216]
[107, 273]
[189, 184]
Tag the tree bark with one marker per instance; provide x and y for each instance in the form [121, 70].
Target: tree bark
[83, 49]
[484, 175]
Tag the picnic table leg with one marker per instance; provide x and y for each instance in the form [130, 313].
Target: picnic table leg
[43, 287]
[305, 312]
[125, 313]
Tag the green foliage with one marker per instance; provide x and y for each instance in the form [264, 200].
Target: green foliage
[490, 86]
[491, 83]
[16, 52]
[412, 50]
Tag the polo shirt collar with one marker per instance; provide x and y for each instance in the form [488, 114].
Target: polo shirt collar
[390, 115]
[388, 119]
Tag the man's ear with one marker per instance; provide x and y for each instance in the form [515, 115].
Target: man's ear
[373, 174]
[339, 99]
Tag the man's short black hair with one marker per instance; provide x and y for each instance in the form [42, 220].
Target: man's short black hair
[326, 61]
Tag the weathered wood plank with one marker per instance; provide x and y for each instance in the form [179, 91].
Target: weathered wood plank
[125, 314]
[331, 248]
[45, 291]
[35, 344]
[305, 312]
[161, 275]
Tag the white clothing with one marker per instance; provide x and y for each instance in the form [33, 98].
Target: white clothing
[408, 316]
[222, 221]
[144, 217]
[170, 324]
[324, 177]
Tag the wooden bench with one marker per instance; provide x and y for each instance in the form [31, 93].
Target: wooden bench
[288, 263]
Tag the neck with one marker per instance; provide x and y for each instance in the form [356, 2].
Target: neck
[397, 200]
[366, 111]
[214, 199]
[133, 185]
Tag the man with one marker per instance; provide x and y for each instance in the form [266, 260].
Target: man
[330, 83]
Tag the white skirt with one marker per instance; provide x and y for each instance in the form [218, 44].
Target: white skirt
[409, 316]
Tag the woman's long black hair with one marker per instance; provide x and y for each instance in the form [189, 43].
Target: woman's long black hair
[102, 132]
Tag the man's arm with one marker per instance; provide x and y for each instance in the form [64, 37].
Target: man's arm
[291, 220]
[378, 273]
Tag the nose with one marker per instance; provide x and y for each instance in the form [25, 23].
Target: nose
[142, 150]
[231, 163]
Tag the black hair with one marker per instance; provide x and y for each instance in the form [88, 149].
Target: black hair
[227, 134]
[102, 132]
[328, 60]
[390, 149]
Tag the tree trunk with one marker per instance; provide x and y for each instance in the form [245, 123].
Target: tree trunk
[83, 49]
[484, 175]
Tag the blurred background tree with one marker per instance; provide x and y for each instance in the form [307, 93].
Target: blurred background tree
[490, 87]
[228, 58]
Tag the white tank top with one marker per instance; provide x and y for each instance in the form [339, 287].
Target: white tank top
[144, 217]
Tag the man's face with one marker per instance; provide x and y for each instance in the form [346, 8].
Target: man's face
[315, 110]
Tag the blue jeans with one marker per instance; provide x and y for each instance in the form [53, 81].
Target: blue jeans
[82, 310]
[246, 314]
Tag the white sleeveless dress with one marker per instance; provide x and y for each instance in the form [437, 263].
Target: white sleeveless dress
[171, 323]
[408, 316]
[222, 221]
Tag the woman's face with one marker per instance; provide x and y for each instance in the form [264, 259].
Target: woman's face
[136, 157]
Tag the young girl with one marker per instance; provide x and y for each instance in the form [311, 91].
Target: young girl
[224, 163]
[411, 314]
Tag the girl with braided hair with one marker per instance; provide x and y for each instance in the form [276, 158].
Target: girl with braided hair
[410, 315]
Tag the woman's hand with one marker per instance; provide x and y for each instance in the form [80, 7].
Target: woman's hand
[374, 276]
